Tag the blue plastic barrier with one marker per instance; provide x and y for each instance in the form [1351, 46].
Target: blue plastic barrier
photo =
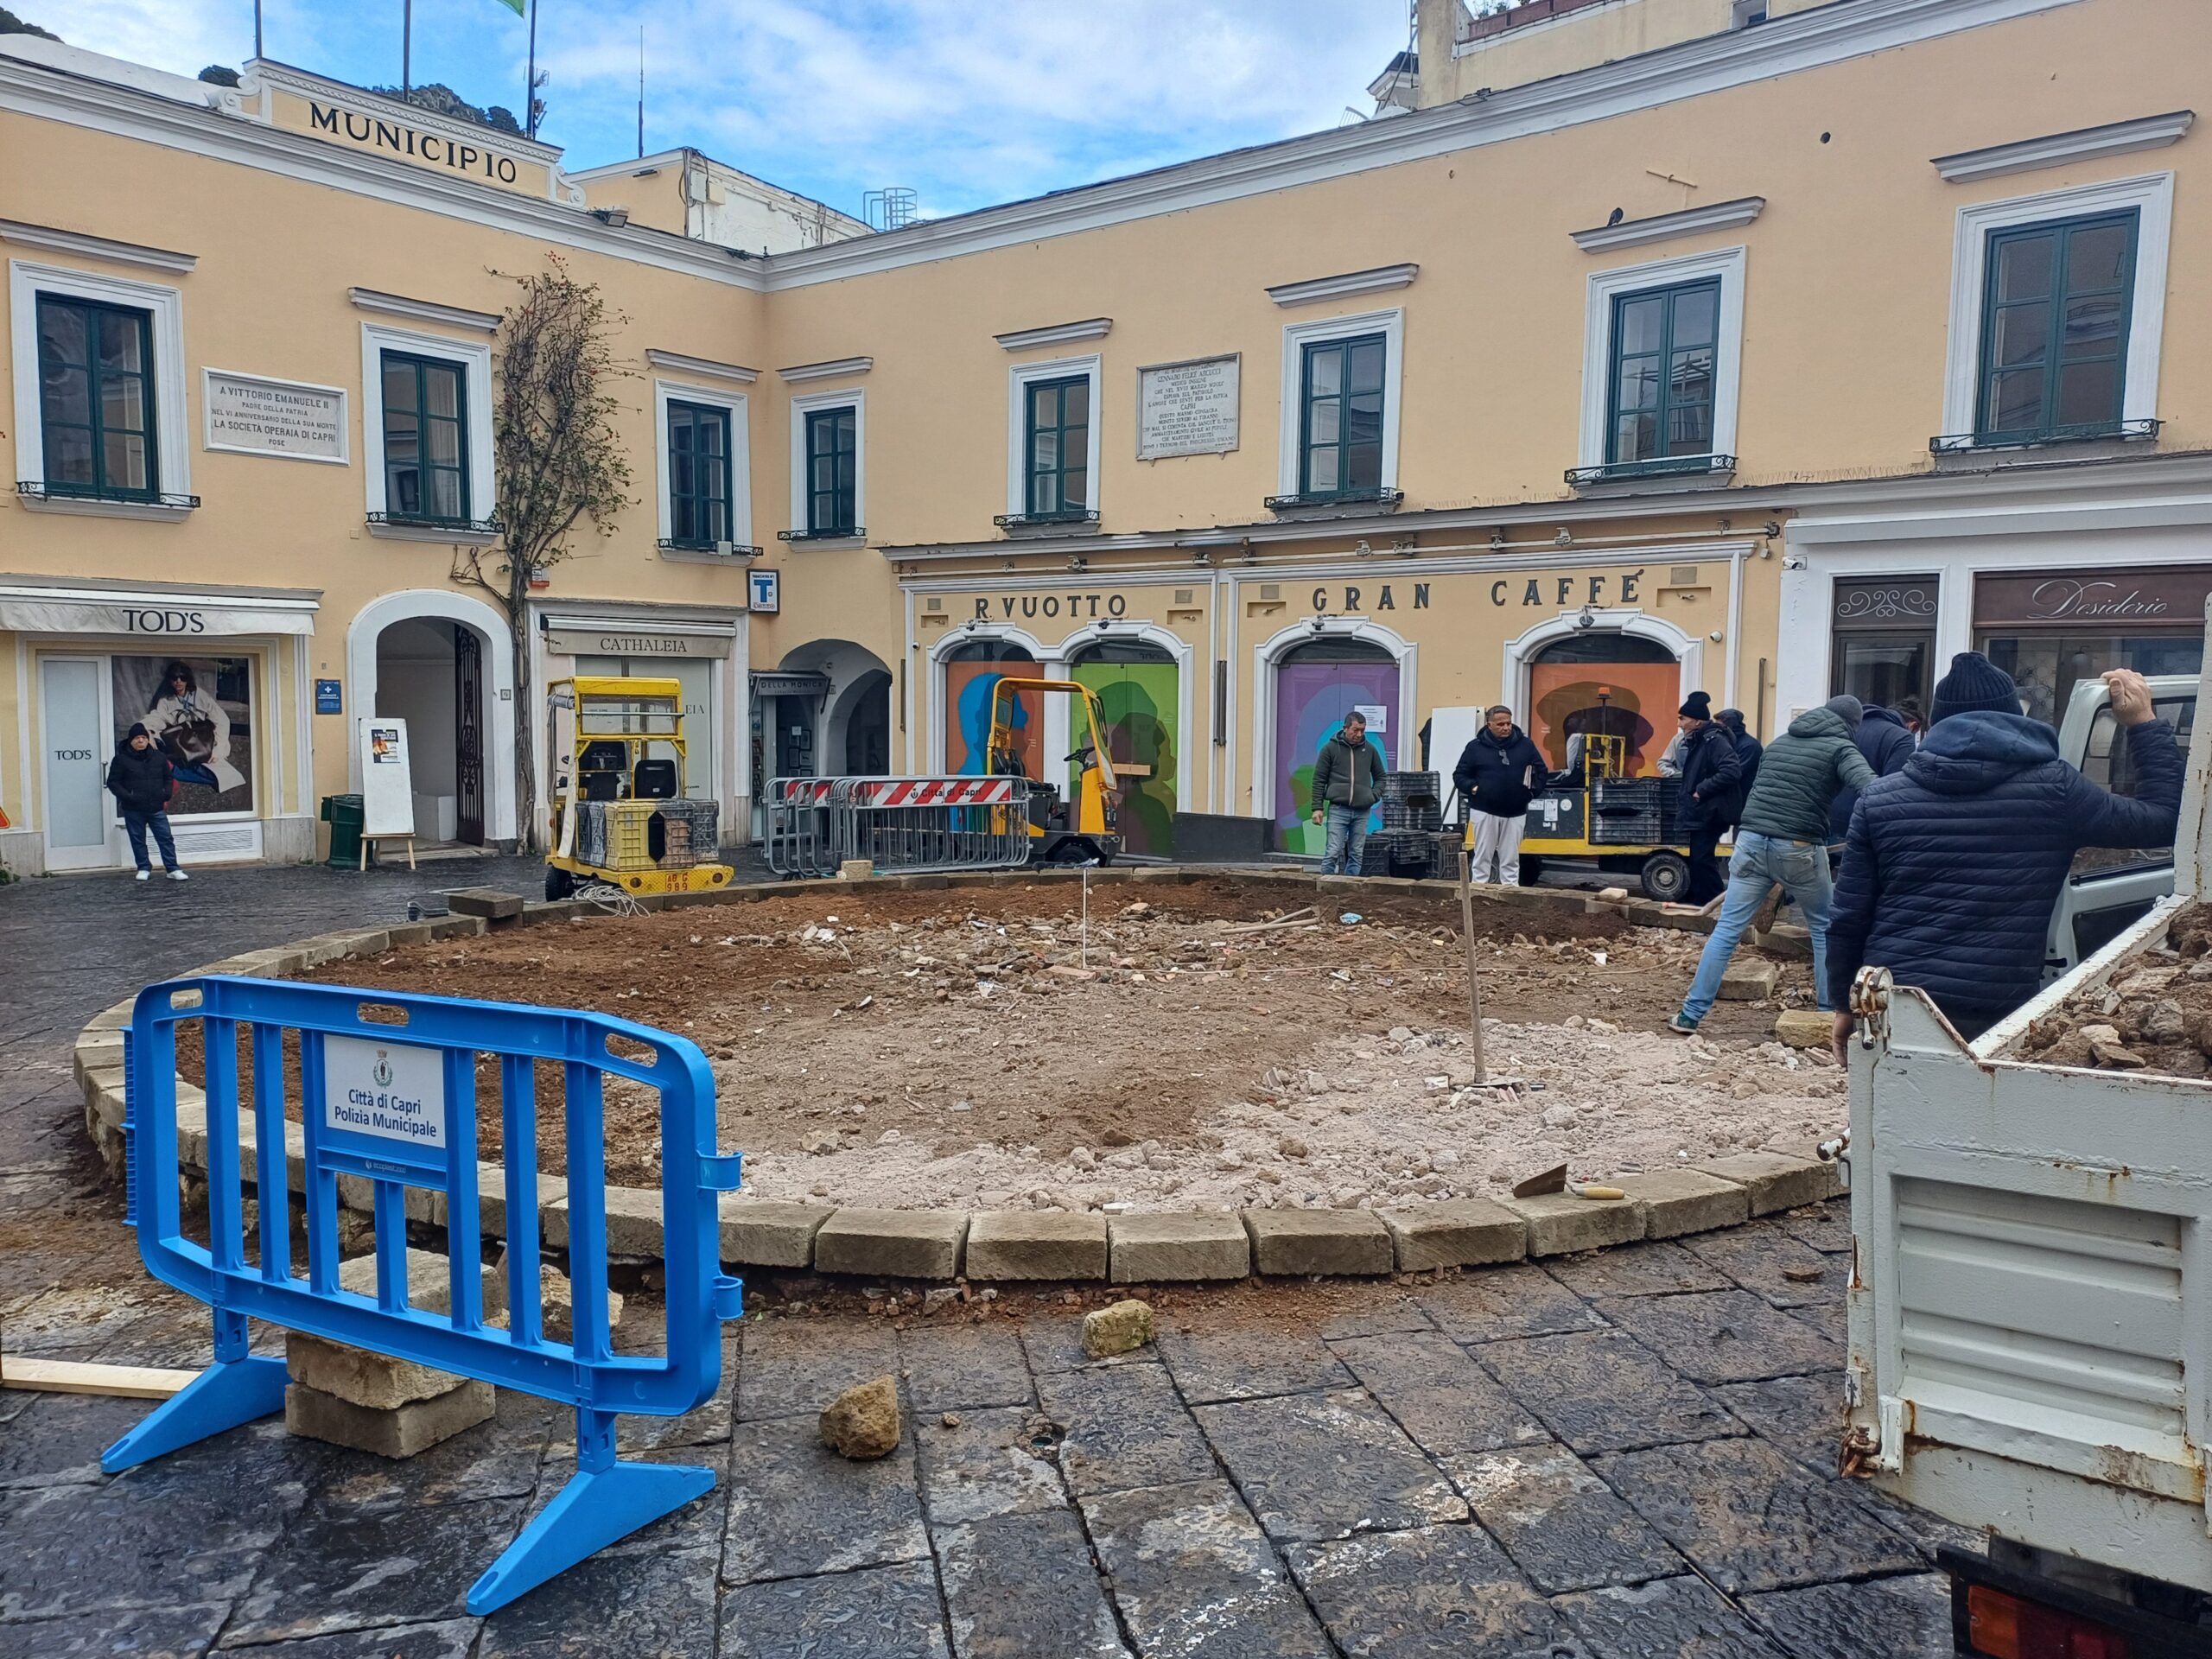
[392, 1100]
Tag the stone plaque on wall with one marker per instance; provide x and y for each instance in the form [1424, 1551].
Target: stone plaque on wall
[1187, 408]
[259, 416]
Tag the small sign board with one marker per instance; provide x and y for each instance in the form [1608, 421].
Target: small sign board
[329, 697]
[765, 590]
[253, 415]
[1377, 714]
[388, 1091]
[387, 782]
[1187, 408]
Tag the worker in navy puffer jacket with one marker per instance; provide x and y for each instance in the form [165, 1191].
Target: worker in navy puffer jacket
[1953, 865]
[1883, 739]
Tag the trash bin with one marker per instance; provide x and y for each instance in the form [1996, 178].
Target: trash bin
[343, 814]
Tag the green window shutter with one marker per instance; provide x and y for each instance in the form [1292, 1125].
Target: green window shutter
[832, 471]
[425, 439]
[699, 483]
[1660, 391]
[2057, 301]
[1340, 416]
[1056, 443]
[96, 400]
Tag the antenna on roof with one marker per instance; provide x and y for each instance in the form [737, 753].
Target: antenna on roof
[641, 91]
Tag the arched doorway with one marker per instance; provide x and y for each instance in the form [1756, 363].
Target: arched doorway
[430, 674]
[1318, 683]
[1139, 685]
[1608, 682]
[972, 672]
[860, 725]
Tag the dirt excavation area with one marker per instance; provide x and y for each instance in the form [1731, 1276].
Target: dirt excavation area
[969, 1048]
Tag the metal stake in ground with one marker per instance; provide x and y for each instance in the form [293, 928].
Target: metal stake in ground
[1483, 1078]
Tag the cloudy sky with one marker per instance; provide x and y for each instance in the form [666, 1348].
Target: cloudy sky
[967, 101]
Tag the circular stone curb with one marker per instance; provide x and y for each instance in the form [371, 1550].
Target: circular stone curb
[999, 1246]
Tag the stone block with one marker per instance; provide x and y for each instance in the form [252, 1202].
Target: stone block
[429, 1282]
[1678, 1201]
[1169, 872]
[1560, 1223]
[428, 1204]
[324, 948]
[633, 1221]
[491, 904]
[855, 869]
[411, 933]
[1121, 1329]
[1455, 1233]
[400, 1432]
[356, 1377]
[1348, 1242]
[892, 1244]
[1036, 1244]
[1804, 1027]
[1749, 979]
[758, 1233]
[1176, 1248]
[1776, 1180]
[557, 1305]
[1789, 940]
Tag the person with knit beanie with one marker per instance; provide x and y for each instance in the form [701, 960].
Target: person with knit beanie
[1952, 866]
[1711, 793]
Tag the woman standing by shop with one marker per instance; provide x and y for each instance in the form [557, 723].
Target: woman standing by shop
[140, 777]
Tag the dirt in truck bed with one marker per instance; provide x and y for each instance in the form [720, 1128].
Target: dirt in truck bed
[2153, 1013]
[963, 1048]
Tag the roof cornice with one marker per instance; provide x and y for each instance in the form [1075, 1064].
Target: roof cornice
[1660, 227]
[1802, 41]
[1313, 289]
[122, 111]
[53, 240]
[2114, 138]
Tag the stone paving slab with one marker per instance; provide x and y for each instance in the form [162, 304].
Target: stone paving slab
[144, 1633]
[1565, 1526]
[1773, 1263]
[1602, 1391]
[884, 1612]
[1801, 1417]
[60, 1437]
[951, 1367]
[1441, 1398]
[1316, 1466]
[1022, 1587]
[1654, 1269]
[1749, 1520]
[336, 1571]
[435, 1640]
[792, 1366]
[1826, 1227]
[500, 1459]
[1727, 1336]
[1501, 1304]
[983, 1465]
[1195, 1577]
[1249, 1363]
[1379, 1318]
[1899, 1619]
[1124, 1426]
[1672, 1619]
[1434, 1592]
[798, 1508]
[660, 1602]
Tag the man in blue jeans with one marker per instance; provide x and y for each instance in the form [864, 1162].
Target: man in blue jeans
[1347, 782]
[140, 777]
[1783, 842]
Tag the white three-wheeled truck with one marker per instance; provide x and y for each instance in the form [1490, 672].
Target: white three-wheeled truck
[2031, 1298]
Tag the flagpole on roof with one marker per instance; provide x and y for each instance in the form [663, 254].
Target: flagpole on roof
[406, 47]
[530, 80]
[256, 27]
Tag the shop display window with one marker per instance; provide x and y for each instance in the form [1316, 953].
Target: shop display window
[199, 712]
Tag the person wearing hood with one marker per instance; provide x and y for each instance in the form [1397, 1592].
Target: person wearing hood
[1952, 866]
[1711, 795]
[1783, 842]
[1347, 782]
[1748, 751]
[140, 777]
[1887, 742]
[1493, 780]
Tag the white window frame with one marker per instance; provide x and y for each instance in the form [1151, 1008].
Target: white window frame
[1296, 337]
[172, 428]
[1606, 286]
[741, 451]
[1020, 378]
[2153, 199]
[474, 358]
[814, 404]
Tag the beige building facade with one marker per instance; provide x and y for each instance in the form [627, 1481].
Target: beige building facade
[1704, 353]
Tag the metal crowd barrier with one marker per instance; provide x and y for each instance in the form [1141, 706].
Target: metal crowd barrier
[388, 1088]
[898, 824]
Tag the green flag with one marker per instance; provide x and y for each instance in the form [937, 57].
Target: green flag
[515, 6]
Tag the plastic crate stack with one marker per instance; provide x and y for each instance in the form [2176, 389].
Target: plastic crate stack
[618, 835]
[1412, 812]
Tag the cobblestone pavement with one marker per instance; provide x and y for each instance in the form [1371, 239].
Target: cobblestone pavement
[1626, 1454]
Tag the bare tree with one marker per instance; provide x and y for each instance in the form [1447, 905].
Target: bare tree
[558, 461]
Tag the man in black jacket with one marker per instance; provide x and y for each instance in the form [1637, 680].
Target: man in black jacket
[1713, 792]
[1883, 739]
[1748, 751]
[1492, 779]
[1953, 865]
[140, 777]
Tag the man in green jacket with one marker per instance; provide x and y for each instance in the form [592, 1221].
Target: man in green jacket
[1347, 782]
[1783, 842]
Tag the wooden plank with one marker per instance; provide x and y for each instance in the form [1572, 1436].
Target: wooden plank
[80, 1376]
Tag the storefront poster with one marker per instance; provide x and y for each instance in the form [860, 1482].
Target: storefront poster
[1639, 706]
[1139, 702]
[1312, 700]
[198, 711]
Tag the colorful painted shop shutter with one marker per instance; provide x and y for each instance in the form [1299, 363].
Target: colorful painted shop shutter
[1316, 686]
[1140, 688]
[971, 673]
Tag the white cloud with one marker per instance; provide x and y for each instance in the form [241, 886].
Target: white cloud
[969, 105]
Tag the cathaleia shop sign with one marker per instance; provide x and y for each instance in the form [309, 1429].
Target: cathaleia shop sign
[389, 1090]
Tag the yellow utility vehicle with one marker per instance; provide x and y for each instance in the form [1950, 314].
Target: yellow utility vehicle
[617, 751]
[1078, 830]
